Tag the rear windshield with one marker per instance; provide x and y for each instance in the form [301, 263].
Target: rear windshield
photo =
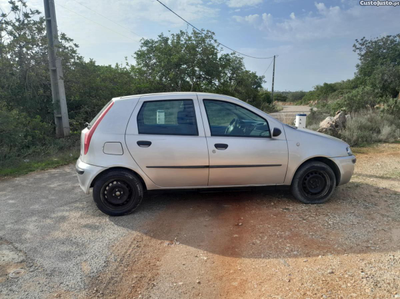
[98, 115]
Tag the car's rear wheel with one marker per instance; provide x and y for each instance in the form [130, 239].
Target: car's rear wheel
[314, 183]
[117, 193]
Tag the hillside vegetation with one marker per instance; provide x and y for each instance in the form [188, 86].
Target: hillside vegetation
[371, 97]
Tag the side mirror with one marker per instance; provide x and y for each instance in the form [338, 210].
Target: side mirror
[276, 132]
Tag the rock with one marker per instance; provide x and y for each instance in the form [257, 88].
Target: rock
[340, 120]
[333, 125]
[326, 122]
[327, 126]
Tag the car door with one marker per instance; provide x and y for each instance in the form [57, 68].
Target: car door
[241, 149]
[166, 138]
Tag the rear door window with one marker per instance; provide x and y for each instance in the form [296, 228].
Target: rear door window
[169, 117]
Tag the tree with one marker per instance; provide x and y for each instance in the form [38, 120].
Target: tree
[191, 62]
[379, 65]
[181, 62]
[25, 80]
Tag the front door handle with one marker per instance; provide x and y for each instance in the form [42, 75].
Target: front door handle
[143, 143]
[221, 146]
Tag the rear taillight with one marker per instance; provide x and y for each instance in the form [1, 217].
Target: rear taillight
[90, 132]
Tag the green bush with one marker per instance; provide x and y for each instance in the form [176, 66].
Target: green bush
[366, 127]
[296, 96]
[22, 136]
[280, 97]
[264, 102]
[392, 106]
[360, 98]
[269, 108]
[19, 134]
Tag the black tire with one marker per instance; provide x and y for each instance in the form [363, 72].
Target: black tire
[117, 193]
[313, 183]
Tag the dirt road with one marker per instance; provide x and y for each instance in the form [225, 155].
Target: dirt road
[288, 112]
[255, 244]
[295, 109]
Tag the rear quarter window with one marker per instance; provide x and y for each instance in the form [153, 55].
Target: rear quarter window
[98, 114]
[169, 117]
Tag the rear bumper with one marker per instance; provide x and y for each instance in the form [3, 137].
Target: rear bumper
[86, 174]
[346, 166]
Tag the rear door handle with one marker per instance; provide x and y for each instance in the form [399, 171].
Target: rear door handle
[143, 143]
[221, 146]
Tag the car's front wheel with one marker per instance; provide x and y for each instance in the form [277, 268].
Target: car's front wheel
[117, 193]
[314, 183]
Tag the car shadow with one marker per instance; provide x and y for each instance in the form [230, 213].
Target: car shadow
[261, 223]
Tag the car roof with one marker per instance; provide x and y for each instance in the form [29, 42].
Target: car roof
[138, 96]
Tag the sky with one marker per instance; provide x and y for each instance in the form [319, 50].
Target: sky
[313, 39]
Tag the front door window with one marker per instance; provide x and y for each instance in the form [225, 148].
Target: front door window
[228, 119]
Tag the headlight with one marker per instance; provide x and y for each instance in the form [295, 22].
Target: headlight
[349, 152]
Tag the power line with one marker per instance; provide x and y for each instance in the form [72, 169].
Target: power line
[198, 30]
[108, 19]
[268, 67]
[96, 22]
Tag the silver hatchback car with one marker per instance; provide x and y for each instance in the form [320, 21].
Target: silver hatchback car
[193, 140]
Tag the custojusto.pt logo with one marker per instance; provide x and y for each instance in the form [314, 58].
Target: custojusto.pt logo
[380, 3]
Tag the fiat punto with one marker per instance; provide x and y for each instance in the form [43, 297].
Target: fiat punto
[201, 140]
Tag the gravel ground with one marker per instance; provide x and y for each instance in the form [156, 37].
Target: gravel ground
[54, 243]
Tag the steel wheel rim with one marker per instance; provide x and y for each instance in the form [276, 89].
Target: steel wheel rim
[116, 193]
[315, 184]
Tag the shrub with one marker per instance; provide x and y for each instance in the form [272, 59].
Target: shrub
[280, 97]
[21, 136]
[366, 127]
[392, 106]
[20, 133]
[269, 108]
[296, 96]
[360, 99]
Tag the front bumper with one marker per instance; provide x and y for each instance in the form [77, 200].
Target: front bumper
[346, 167]
[86, 174]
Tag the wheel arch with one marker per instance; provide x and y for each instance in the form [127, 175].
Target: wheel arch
[328, 162]
[104, 172]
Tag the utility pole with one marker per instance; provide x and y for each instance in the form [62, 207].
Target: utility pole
[56, 74]
[273, 80]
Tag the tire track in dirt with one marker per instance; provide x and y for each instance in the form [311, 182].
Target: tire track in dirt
[261, 222]
[133, 265]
